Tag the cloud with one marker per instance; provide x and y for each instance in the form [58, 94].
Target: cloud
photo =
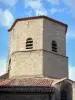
[9, 2]
[54, 2]
[6, 18]
[68, 3]
[70, 35]
[72, 72]
[55, 10]
[41, 12]
[37, 6]
[71, 5]
[2, 67]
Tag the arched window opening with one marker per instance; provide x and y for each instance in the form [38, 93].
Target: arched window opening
[9, 62]
[29, 43]
[9, 65]
[63, 95]
[54, 46]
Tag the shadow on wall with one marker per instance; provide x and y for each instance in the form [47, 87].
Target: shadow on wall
[66, 91]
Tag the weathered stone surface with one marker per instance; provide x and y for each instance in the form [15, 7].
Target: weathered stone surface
[39, 61]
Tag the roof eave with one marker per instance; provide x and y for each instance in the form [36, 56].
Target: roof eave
[26, 89]
[37, 17]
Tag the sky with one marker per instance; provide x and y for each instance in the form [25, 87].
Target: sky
[61, 10]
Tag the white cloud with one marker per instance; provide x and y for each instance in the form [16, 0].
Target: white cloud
[6, 18]
[34, 4]
[72, 72]
[70, 35]
[2, 67]
[54, 2]
[9, 2]
[55, 10]
[41, 12]
[37, 6]
[71, 5]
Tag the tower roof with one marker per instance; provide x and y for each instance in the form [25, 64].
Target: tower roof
[37, 17]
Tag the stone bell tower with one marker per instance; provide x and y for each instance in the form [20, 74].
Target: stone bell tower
[37, 48]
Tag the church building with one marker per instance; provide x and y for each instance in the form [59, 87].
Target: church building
[37, 65]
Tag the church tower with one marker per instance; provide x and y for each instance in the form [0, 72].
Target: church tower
[37, 48]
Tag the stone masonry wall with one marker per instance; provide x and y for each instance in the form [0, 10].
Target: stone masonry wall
[42, 32]
[56, 32]
[17, 40]
[27, 63]
[54, 65]
[23, 30]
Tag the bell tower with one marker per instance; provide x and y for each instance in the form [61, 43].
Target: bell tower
[55, 62]
[37, 48]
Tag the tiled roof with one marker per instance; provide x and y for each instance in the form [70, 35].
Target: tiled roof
[6, 82]
[21, 81]
[22, 84]
[4, 76]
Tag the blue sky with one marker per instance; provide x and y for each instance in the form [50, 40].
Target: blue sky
[62, 10]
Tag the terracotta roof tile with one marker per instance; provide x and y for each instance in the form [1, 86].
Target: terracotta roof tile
[6, 82]
[5, 76]
[27, 82]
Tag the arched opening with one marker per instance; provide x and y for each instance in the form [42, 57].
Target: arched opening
[9, 65]
[54, 46]
[66, 90]
[29, 43]
[9, 62]
[63, 94]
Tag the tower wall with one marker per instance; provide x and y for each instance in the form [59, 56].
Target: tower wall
[23, 30]
[40, 60]
[54, 31]
[55, 65]
[29, 64]
[17, 43]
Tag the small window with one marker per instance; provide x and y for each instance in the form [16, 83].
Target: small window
[29, 43]
[9, 65]
[9, 62]
[54, 46]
